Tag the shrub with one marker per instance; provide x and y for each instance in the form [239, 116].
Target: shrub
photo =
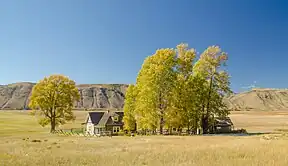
[36, 140]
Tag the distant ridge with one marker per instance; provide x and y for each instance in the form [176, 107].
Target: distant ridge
[93, 96]
[260, 99]
[267, 89]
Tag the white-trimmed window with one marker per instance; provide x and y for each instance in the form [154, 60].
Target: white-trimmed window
[116, 129]
[115, 118]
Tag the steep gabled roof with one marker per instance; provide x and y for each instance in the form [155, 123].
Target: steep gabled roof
[103, 118]
[120, 118]
[95, 117]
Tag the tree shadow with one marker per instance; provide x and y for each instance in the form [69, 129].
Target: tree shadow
[258, 133]
[239, 134]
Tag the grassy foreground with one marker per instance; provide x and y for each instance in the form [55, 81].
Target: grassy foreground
[24, 142]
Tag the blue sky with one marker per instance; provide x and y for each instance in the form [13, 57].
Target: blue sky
[106, 41]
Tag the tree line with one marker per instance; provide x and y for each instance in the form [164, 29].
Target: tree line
[175, 89]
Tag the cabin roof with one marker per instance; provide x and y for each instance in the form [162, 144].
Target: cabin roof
[226, 121]
[103, 118]
[95, 116]
[119, 122]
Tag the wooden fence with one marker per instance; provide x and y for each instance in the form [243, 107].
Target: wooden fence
[80, 132]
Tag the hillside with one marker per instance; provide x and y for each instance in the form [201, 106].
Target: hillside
[16, 96]
[94, 96]
[260, 99]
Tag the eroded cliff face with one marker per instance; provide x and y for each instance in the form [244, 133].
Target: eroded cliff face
[93, 96]
[101, 96]
[15, 96]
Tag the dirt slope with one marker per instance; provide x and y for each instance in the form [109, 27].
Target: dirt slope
[260, 99]
[16, 96]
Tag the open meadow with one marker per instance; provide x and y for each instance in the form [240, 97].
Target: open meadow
[24, 142]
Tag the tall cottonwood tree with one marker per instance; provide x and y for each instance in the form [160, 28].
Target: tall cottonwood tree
[129, 108]
[210, 67]
[154, 86]
[181, 112]
[143, 103]
[53, 97]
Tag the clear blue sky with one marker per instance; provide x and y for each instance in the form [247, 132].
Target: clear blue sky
[105, 41]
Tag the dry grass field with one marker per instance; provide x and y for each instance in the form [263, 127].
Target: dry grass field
[260, 121]
[18, 130]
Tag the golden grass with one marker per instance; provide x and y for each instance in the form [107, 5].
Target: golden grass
[17, 123]
[260, 121]
[53, 150]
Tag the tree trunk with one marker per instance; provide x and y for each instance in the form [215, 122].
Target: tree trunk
[53, 125]
[161, 124]
[201, 115]
[205, 121]
[161, 114]
[205, 124]
[53, 114]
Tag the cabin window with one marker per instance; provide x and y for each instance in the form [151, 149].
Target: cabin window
[115, 118]
[116, 129]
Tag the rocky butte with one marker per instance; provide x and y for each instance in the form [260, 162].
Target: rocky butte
[93, 96]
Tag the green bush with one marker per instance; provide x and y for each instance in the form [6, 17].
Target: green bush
[121, 133]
